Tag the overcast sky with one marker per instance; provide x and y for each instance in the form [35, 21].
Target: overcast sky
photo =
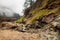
[15, 5]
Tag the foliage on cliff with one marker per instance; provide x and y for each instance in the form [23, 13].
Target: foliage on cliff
[39, 9]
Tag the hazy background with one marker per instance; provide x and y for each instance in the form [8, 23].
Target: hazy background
[16, 5]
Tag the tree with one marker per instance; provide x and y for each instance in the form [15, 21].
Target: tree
[28, 3]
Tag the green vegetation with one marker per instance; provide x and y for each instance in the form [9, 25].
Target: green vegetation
[44, 10]
[20, 20]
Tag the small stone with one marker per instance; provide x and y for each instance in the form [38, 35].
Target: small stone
[54, 24]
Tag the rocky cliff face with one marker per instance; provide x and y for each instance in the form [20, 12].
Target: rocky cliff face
[41, 23]
[43, 17]
[14, 31]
